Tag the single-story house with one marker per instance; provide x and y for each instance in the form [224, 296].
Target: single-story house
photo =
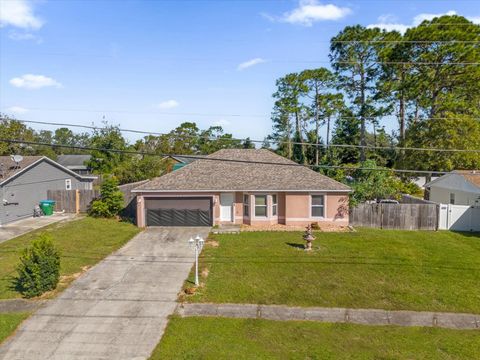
[76, 163]
[241, 186]
[24, 183]
[460, 187]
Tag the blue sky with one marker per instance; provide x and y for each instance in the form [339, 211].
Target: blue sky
[151, 65]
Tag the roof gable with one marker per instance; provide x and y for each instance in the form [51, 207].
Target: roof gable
[29, 162]
[457, 181]
[243, 169]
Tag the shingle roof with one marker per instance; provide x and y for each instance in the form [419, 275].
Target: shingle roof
[470, 175]
[8, 168]
[243, 174]
[73, 161]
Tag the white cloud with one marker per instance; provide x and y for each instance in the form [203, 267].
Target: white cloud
[310, 11]
[32, 82]
[17, 110]
[387, 22]
[250, 63]
[417, 20]
[19, 13]
[22, 36]
[168, 104]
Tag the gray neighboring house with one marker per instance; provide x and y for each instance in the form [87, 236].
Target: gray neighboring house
[76, 163]
[23, 185]
[459, 187]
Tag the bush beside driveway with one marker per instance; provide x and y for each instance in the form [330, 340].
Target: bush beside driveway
[82, 243]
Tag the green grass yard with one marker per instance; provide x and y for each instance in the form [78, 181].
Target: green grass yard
[220, 338]
[407, 270]
[82, 243]
[9, 322]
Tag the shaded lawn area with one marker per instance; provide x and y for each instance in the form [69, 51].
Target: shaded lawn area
[9, 322]
[220, 338]
[82, 243]
[410, 270]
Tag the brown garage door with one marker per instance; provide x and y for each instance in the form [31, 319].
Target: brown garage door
[191, 211]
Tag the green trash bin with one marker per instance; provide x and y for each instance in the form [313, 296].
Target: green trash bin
[47, 207]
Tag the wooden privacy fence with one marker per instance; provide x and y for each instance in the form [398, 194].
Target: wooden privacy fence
[396, 216]
[72, 201]
[78, 201]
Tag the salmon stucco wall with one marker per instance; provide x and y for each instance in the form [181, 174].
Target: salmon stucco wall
[297, 206]
[292, 208]
[337, 207]
[298, 211]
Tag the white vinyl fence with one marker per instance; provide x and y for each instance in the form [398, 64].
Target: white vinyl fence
[459, 217]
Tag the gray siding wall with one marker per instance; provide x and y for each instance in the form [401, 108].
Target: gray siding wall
[30, 187]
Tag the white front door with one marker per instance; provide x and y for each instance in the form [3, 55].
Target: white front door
[226, 206]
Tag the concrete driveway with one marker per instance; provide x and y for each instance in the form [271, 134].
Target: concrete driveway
[20, 227]
[118, 309]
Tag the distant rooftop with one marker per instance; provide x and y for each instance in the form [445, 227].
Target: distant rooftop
[470, 175]
[74, 162]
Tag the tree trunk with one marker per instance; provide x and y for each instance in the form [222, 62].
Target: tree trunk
[426, 194]
[363, 142]
[402, 119]
[298, 127]
[317, 126]
[328, 137]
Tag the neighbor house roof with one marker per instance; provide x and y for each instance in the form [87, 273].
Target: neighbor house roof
[9, 169]
[186, 159]
[471, 176]
[243, 170]
[74, 162]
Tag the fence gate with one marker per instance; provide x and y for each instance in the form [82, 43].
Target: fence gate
[72, 201]
[459, 217]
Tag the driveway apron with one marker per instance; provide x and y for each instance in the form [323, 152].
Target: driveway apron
[118, 309]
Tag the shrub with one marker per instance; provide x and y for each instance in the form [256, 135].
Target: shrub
[110, 202]
[315, 226]
[39, 268]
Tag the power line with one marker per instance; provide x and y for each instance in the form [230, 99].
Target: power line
[197, 157]
[406, 41]
[282, 61]
[101, 111]
[394, 148]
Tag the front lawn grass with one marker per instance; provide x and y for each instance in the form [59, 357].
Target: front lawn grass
[411, 270]
[82, 243]
[221, 338]
[9, 322]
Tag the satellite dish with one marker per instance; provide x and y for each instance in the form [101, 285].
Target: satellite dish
[17, 158]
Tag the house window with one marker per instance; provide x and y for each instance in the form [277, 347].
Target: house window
[452, 198]
[318, 205]
[245, 205]
[261, 205]
[274, 205]
[68, 184]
